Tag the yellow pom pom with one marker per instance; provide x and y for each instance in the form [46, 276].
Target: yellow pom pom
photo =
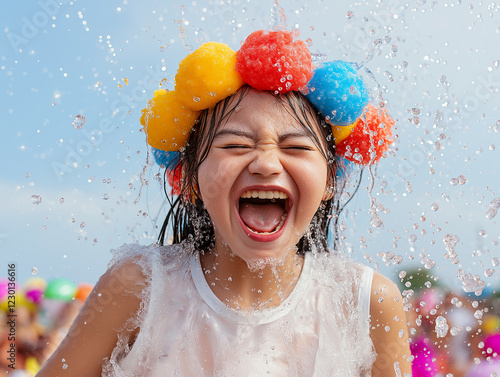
[342, 132]
[207, 76]
[167, 123]
[491, 325]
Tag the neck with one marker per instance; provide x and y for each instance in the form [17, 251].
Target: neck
[258, 285]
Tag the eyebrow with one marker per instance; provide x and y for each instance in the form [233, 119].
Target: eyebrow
[251, 136]
[291, 135]
[244, 134]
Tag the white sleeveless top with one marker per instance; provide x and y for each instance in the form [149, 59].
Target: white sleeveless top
[321, 329]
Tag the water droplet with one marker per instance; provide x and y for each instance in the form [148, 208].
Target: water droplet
[478, 314]
[376, 221]
[82, 224]
[35, 199]
[105, 196]
[495, 262]
[61, 200]
[196, 99]
[434, 206]
[461, 179]
[429, 264]
[491, 213]
[496, 127]
[34, 271]
[349, 15]
[455, 330]
[79, 121]
[65, 366]
[489, 272]
[402, 274]
[441, 327]
[495, 203]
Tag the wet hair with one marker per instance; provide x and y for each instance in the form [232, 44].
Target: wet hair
[187, 216]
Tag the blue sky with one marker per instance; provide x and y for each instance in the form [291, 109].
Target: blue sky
[433, 63]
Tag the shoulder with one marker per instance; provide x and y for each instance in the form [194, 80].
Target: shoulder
[145, 258]
[385, 299]
[388, 328]
[110, 313]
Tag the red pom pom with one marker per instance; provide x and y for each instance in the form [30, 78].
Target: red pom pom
[369, 139]
[272, 60]
[174, 179]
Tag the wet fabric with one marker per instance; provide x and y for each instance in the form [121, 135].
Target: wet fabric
[321, 329]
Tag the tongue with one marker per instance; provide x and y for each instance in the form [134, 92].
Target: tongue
[261, 217]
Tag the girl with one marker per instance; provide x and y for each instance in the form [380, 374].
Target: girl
[248, 287]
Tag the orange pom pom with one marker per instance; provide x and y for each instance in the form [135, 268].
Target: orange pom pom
[369, 139]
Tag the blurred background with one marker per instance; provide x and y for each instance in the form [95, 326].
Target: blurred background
[76, 180]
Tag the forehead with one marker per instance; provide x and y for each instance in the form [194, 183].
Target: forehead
[261, 110]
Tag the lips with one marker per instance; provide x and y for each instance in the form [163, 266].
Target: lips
[263, 212]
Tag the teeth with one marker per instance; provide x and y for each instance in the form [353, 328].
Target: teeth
[264, 194]
[283, 218]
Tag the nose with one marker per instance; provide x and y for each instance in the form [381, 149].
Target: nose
[266, 163]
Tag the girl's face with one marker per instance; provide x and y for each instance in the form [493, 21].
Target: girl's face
[262, 181]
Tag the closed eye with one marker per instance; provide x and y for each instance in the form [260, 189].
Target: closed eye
[235, 146]
[298, 147]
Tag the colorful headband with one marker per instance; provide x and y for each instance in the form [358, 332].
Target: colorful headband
[274, 61]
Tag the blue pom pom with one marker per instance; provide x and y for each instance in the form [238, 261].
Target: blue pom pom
[344, 168]
[167, 159]
[338, 92]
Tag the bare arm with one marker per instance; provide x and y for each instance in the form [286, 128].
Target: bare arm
[388, 330]
[94, 333]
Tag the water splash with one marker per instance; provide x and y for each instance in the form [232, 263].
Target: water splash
[278, 17]
[471, 283]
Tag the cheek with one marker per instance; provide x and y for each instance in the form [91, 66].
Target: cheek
[314, 179]
[214, 177]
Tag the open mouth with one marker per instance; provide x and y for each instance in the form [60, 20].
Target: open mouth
[263, 212]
